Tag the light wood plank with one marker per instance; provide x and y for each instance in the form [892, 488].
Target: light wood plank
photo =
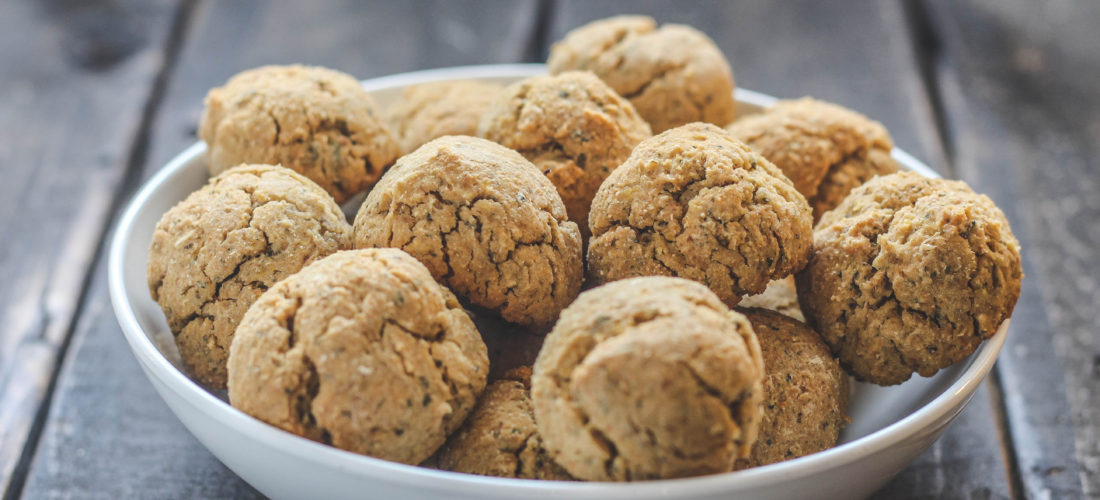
[73, 88]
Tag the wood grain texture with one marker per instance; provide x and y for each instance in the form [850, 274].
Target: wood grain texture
[75, 79]
[1023, 104]
[861, 55]
[108, 434]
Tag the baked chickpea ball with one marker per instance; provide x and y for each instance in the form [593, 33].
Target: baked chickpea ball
[696, 203]
[436, 109]
[672, 75]
[362, 350]
[805, 391]
[648, 378]
[216, 251]
[573, 127]
[500, 437]
[909, 274]
[781, 296]
[316, 121]
[485, 222]
[825, 149]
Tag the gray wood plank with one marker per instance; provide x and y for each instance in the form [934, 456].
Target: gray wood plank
[861, 55]
[1022, 102]
[108, 435]
[73, 88]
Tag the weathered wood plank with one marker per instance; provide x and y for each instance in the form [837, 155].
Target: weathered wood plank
[108, 434]
[1022, 102]
[861, 55]
[74, 83]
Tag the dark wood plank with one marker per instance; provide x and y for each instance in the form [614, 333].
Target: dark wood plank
[108, 434]
[75, 80]
[1022, 101]
[861, 55]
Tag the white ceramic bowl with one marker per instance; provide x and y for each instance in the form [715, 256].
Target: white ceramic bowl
[890, 425]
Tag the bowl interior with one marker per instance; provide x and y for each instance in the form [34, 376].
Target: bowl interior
[872, 408]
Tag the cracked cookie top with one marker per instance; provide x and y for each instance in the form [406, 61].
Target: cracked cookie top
[672, 75]
[648, 378]
[432, 110]
[216, 251]
[362, 350]
[500, 437]
[696, 203]
[805, 391]
[909, 274]
[825, 149]
[484, 221]
[316, 121]
[572, 126]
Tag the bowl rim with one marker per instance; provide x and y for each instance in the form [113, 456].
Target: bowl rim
[155, 364]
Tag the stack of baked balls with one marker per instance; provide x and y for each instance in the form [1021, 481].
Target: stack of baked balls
[490, 202]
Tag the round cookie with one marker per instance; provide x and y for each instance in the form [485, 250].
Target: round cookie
[909, 274]
[648, 378]
[500, 437]
[316, 121]
[825, 149]
[485, 222]
[216, 251]
[436, 109]
[572, 126]
[781, 296]
[696, 203]
[805, 391]
[672, 75]
[362, 350]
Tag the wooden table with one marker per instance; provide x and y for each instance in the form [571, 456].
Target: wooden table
[96, 95]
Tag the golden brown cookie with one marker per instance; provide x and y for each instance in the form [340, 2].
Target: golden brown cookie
[805, 391]
[432, 110]
[648, 378]
[672, 75]
[484, 221]
[316, 121]
[216, 251]
[780, 296]
[362, 350]
[500, 437]
[909, 274]
[825, 149]
[696, 203]
[573, 127]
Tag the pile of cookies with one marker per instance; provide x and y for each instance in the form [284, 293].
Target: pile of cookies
[485, 202]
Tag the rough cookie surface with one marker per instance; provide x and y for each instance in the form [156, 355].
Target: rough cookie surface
[909, 274]
[781, 296]
[805, 391]
[825, 149]
[696, 203]
[362, 350]
[573, 127]
[316, 121]
[648, 378]
[500, 437]
[484, 221]
[672, 75]
[216, 251]
[432, 110]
